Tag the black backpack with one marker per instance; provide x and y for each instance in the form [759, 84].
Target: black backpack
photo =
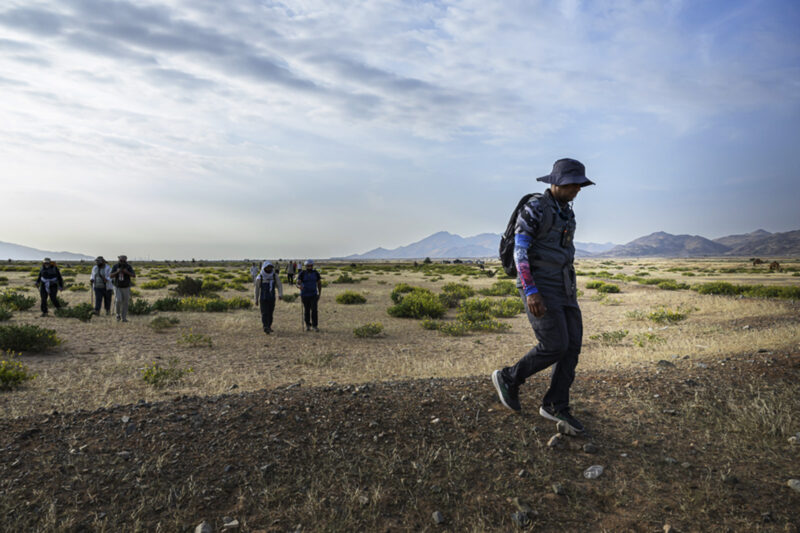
[507, 240]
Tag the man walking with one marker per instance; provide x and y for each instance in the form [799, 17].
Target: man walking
[100, 280]
[121, 275]
[544, 254]
[309, 282]
[266, 283]
[291, 267]
[49, 282]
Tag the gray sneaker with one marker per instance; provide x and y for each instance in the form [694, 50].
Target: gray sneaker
[508, 393]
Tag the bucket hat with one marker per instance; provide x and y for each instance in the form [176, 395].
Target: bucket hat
[567, 172]
[309, 262]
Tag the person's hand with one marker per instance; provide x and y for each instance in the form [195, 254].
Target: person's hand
[280, 297]
[536, 305]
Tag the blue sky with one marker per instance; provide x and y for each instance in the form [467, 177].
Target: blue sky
[196, 128]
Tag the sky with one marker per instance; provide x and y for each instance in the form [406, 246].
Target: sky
[319, 128]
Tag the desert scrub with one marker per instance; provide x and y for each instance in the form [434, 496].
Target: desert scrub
[507, 307]
[350, 298]
[5, 313]
[461, 290]
[15, 301]
[155, 284]
[401, 289]
[662, 315]
[82, 312]
[481, 309]
[370, 330]
[163, 323]
[289, 298]
[240, 302]
[345, 278]
[158, 376]
[419, 303]
[754, 291]
[13, 373]
[189, 287]
[190, 338]
[27, 338]
[78, 287]
[211, 285]
[672, 285]
[167, 304]
[3, 280]
[139, 307]
[195, 303]
[644, 339]
[610, 337]
[501, 288]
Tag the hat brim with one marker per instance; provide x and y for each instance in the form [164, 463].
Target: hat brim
[583, 181]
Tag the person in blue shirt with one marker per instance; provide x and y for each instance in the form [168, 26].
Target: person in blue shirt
[544, 255]
[309, 282]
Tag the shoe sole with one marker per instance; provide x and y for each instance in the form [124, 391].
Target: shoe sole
[570, 429]
[496, 382]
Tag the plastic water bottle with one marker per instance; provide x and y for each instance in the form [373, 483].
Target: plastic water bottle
[593, 472]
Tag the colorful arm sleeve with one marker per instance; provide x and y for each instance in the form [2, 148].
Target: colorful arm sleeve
[522, 244]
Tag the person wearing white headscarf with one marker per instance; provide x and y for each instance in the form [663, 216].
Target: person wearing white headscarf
[267, 282]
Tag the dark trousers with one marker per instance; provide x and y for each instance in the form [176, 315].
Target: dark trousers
[290, 278]
[310, 314]
[560, 334]
[102, 296]
[52, 294]
[267, 305]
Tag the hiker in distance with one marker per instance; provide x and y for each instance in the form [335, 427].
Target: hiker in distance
[100, 280]
[291, 268]
[266, 283]
[309, 281]
[49, 282]
[121, 275]
[539, 236]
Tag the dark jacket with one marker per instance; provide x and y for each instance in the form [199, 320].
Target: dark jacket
[123, 280]
[49, 273]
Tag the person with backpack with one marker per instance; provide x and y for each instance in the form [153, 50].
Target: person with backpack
[537, 248]
[309, 281]
[49, 282]
[121, 275]
[266, 282]
[100, 279]
[291, 268]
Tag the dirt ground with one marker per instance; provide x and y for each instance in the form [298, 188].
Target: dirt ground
[330, 432]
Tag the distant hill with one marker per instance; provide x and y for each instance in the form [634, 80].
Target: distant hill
[448, 245]
[757, 243]
[661, 244]
[26, 253]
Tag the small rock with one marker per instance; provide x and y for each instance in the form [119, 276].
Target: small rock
[701, 365]
[520, 519]
[522, 473]
[668, 528]
[234, 386]
[363, 499]
[124, 454]
[729, 478]
[686, 465]
[126, 419]
[521, 506]
[556, 441]
[204, 527]
[229, 524]
[593, 472]
[590, 448]
[435, 421]
[794, 484]
[130, 429]
[559, 489]
[670, 460]
[671, 412]
[663, 363]
[464, 398]
[438, 517]
[746, 326]
[763, 350]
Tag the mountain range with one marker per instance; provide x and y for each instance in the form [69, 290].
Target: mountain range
[659, 244]
[26, 253]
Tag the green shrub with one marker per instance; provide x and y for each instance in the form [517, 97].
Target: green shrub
[289, 298]
[350, 298]
[83, 312]
[3, 280]
[663, 315]
[594, 284]
[401, 289]
[216, 306]
[428, 323]
[155, 284]
[672, 285]
[418, 303]
[507, 307]
[461, 291]
[140, 307]
[5, 313]
[240, 302]
[13, 373]
[189, 287]
[454, 329]
[636, 314]
[345, 278]
[608, 288]
[610, 337]
[190, 338]
[643, 339]
[62, 302]
[195, 303]
[791, 292]
[167, 304]
[501, 288]
[163, 323]
[27, 338]
[212, 285]
[487, 326]
[15, 301]
[373, 329]
[157, 376]
[78, 287]
[475, 310]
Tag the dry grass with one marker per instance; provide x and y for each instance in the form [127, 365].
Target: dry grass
[99, 362]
